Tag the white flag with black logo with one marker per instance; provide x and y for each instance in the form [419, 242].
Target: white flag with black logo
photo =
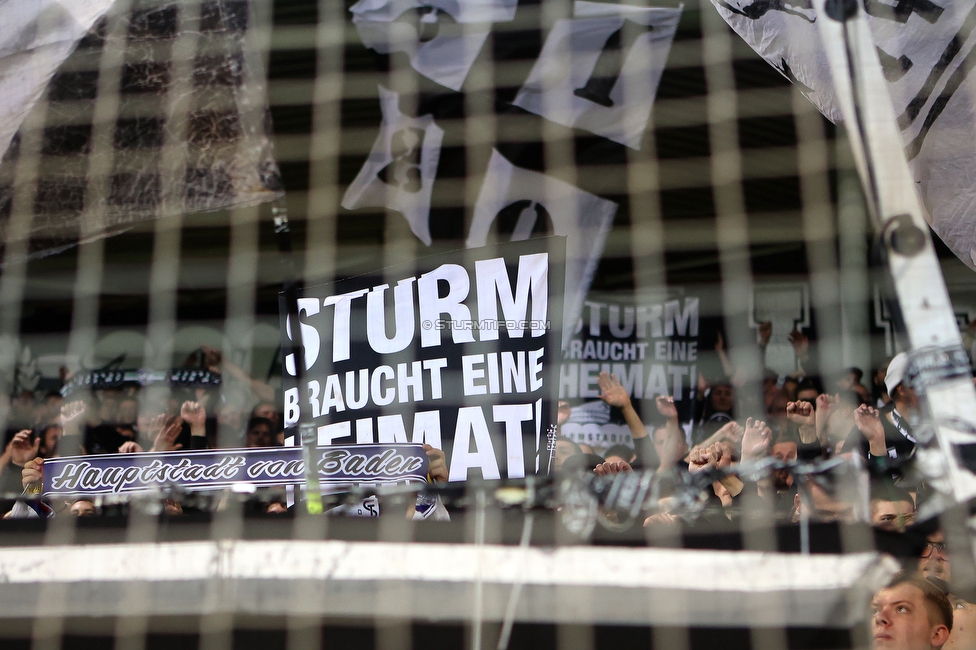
[399, 172]
[600, 70]
[441, 37]
[515, 204]
[927, 50]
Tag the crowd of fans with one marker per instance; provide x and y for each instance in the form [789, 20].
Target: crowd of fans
[241, 412]
[809, 432]
[800, 418]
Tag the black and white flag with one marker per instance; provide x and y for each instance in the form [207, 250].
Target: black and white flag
[441, 37]
[600, 70]
[399, 172]
[515, 204]
[126, 112]
[35, 39]
[927, 49]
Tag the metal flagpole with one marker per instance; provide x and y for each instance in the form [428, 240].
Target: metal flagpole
[939, 367]
[291, 285]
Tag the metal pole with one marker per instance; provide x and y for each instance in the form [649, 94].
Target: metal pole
[291, 286]
[939, 367]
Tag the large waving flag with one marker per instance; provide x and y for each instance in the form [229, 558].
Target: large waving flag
[126, 111]
[35, 39]
[927, 49]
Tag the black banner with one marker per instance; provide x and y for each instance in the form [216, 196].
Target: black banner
[651, 345]
[459, 351]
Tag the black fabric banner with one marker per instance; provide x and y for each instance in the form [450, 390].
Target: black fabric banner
[459, 351]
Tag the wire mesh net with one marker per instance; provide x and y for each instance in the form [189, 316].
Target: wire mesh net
[607, 386]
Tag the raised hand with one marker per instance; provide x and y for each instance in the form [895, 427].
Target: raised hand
[194, 415]
[130, 447]
[755, 439]
[868, 422]
[72, 417]
[33, 475]
[801, 413]
[765, 333]
[661, 518]
[731, 430]
[665, 406]
[825, 402]
[22, 449]
[612, 391]
[166, 438]
[563, 412]
[154, 426]
[707, 458]
[801, 344]
[616, 467]
[212, 358]
[436, 464]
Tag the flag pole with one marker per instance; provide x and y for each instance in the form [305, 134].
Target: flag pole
[938, 368]
[291, 286]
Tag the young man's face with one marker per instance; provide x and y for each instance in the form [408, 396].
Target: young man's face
[809, 394]
[907, 396]
[893, 516]
[935, 558]
[901, 621]
[82, 508]
[52, 435]
[267, 411]
[723, 398]
[259, 435]
[785, 452]
[563, 451]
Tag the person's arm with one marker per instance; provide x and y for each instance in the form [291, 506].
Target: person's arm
[727, 366]
[868, 422]
[708, 458]
[607, 468]
[644, 450]
[755, 446]
[825, 403]
[729, 431]
[5, 458]
[33, 475]
[436, 464]
[802, 415]
[194, 415]
[21, 449]
[166, 438]
[72, 426]
[216, 363]
[613, 393]
[801, 348]
[674, 434]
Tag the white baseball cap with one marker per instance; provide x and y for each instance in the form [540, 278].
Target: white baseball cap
[896, 372]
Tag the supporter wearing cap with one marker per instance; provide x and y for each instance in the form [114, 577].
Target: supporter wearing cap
[910, 614]
[896, 418]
